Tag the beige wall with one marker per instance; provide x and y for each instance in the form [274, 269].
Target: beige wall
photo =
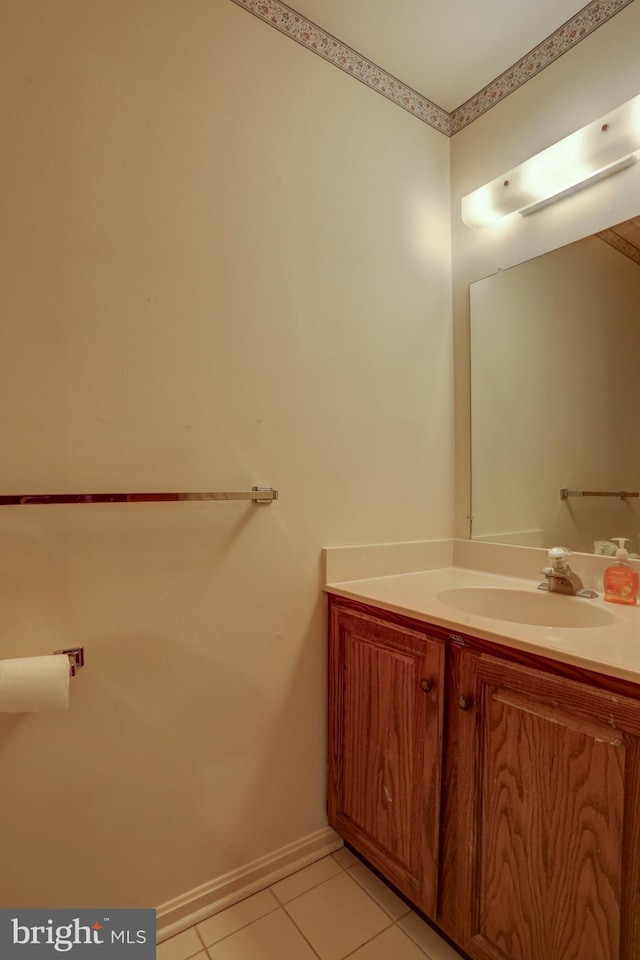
[594, 77]
[224, 262]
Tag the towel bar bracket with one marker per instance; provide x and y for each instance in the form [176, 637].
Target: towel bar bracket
[76, 658]
[270, 494]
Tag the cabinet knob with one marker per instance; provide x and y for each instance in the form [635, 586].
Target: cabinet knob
[464, 702]
[426, 684]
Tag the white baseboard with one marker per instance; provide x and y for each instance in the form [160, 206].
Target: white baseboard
[176, 915]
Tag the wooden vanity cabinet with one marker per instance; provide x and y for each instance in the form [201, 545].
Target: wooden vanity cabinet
[549, 804]
[385, 747]
[499, 791]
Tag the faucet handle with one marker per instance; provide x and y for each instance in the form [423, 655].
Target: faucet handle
[559, 557]
[557, 552]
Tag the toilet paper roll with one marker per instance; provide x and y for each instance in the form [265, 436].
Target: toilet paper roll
[29, 684]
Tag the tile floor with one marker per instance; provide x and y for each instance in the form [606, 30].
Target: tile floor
[333, 909]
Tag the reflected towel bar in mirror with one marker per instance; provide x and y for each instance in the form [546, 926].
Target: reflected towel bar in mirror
[256, 494]
[622, 494]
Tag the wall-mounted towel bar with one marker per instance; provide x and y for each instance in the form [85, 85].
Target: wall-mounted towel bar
[256, 494]
[623, 494]
[76, 658]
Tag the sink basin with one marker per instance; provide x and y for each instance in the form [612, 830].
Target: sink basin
[527, 606]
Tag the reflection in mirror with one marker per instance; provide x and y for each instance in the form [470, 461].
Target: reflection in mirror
[555, 396]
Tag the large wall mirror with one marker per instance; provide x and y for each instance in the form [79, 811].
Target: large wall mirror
[555, 396]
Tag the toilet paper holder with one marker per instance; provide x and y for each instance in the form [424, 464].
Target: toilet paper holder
[76, 658]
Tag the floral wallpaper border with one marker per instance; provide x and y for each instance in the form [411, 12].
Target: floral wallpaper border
[314, 38]
[288, 21]
[564, 38]
[620, 244]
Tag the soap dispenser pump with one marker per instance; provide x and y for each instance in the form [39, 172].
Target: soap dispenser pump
[620, 581]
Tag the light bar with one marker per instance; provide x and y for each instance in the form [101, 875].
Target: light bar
[599, 150]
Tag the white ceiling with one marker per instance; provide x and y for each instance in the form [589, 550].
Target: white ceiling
[447, 50]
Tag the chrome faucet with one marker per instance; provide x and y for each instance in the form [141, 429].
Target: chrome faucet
[560, 578]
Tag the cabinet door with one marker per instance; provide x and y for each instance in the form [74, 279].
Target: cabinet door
[550, 807]
[385, 709]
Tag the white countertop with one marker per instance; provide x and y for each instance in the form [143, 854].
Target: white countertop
[613, 649]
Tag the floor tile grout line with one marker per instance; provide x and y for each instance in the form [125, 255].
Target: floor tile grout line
[318, 884]
[314, 887]
[377, 902]
[357, 860]
[303, 935]
[393, 921]
[365, 942]
[199, 935]
[413, 940]
[371, 897]
[390, 919]
[396, 920]
[351, 952]
[189, 956]
[278, 906]
[283, 906]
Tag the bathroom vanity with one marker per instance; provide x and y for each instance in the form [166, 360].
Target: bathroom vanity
[493, 780]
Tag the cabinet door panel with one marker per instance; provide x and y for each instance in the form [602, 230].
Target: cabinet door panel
[385, 748]
[382, 710]
[552, 814]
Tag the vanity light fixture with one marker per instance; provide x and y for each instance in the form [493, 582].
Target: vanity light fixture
[598, 150]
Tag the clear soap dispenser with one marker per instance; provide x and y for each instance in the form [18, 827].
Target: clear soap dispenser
[620, 581]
